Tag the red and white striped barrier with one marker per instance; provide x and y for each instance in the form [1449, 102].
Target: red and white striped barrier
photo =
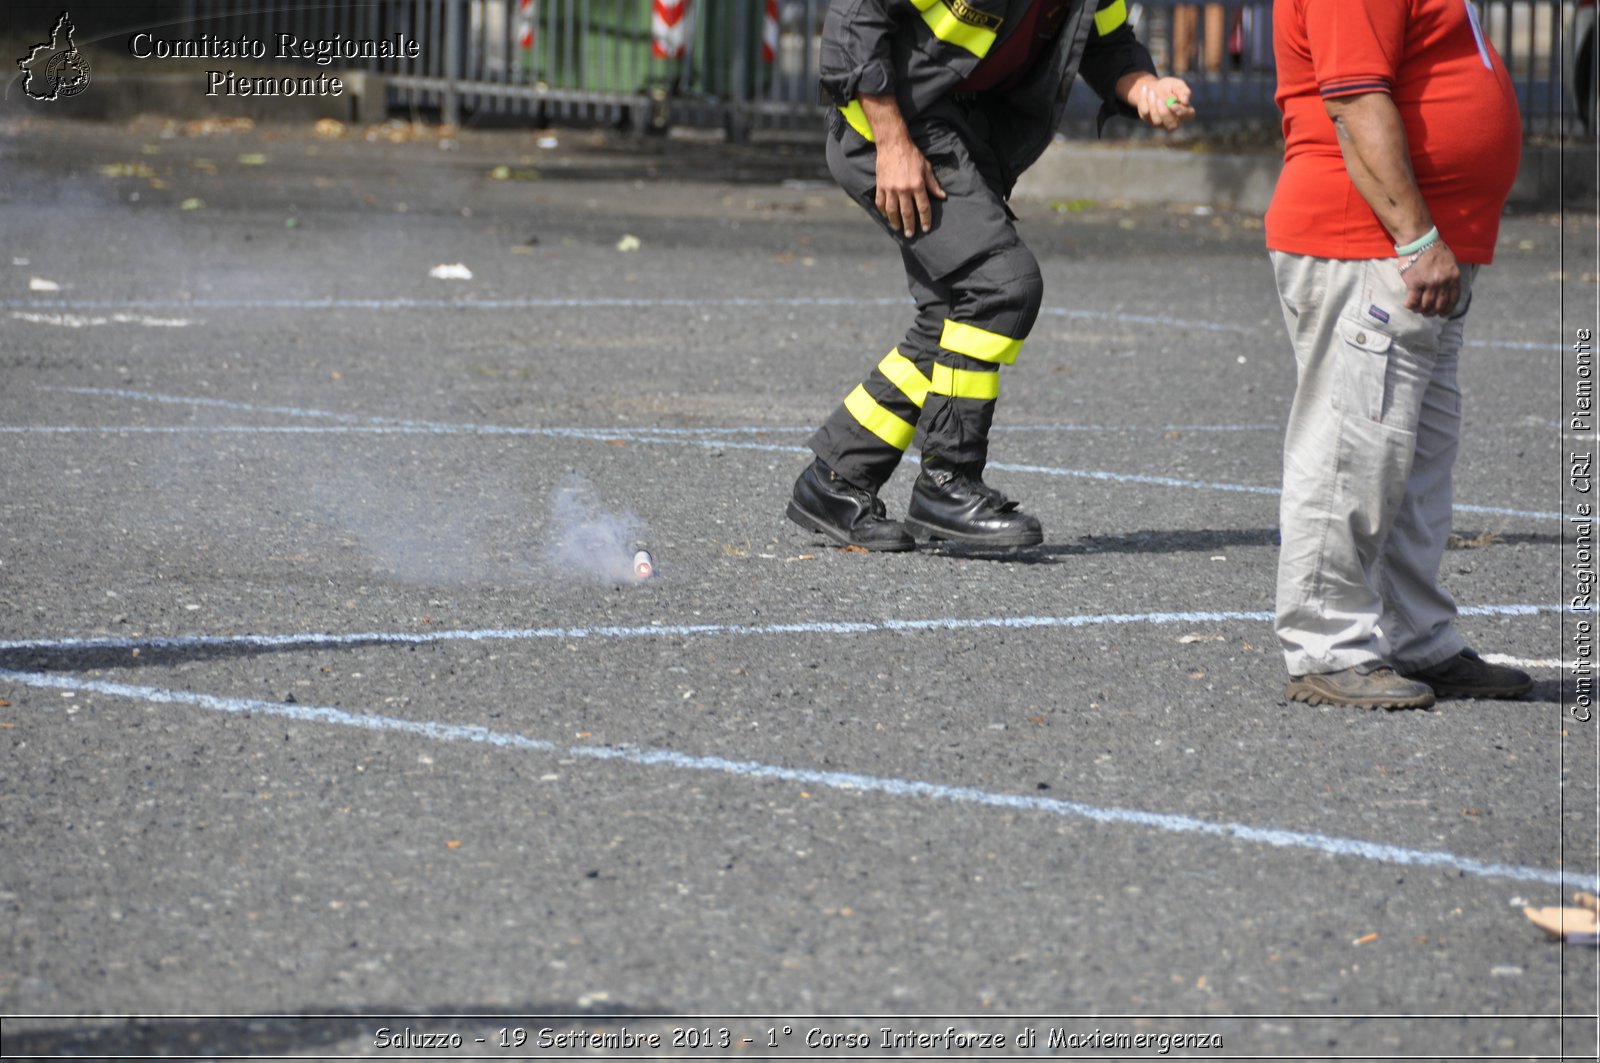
[769, 33]
[669, 28]
[527, 16]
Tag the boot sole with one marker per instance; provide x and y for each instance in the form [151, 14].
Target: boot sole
[933, 531]
[821, 527]
[1312, 696]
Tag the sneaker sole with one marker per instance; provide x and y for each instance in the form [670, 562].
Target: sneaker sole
[821, 527]
[1313, 696]
[932, 531]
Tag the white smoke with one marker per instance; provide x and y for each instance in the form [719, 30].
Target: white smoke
[585, 539]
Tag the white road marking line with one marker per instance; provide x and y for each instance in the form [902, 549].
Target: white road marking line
[828, 627]
[1332, 845]
[688, 437]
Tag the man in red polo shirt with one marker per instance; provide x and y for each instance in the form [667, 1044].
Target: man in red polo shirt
[1401, 142]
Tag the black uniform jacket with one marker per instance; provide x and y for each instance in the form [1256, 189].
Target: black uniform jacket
[919, 50]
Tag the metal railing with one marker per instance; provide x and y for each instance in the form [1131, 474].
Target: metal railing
[752, 64]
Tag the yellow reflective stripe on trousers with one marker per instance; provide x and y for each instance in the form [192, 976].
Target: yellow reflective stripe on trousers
[950, 27]
[903, 373]
[879, 421]
[965, 383]
[857, 118]
[978, 343]
[1109, 18]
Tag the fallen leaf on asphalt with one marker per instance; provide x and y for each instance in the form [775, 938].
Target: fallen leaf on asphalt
[1575, 926]
[1187, 639]
[852, 548]
[252, 158]
[192, 203]
[329, 128]
[1365, 939]
[450, 271]
[39, 284]
[452, 845]
[629, 242]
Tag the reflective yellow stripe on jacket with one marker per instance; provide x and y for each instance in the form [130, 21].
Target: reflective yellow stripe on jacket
[953, 22]
[857, 118]
[1110, 17]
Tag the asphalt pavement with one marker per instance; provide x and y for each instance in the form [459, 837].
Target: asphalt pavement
[324, 690]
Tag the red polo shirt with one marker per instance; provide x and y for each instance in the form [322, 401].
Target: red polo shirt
[1452, 92]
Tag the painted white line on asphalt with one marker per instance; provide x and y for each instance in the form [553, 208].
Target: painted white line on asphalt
[589, 303]
[1530, 662]
[1252, 489]
[79, 321]
[322, 640]
[680, 437]
[584, 303]
[297, 411]
[1331, 845]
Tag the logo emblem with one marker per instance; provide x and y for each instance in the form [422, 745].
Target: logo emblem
[55, 69]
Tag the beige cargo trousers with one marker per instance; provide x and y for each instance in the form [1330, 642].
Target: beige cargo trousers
[1367, 458]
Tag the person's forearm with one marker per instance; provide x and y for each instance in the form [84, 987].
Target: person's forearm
[1372, 138]
[888, 124]
[1377, 156]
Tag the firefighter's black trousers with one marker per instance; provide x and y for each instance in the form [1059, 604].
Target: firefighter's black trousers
[977, 290]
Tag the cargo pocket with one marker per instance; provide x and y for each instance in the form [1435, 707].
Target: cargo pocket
[1363, 372]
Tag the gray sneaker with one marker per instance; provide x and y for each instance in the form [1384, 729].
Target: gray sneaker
[1466, 675]
[1366, 686]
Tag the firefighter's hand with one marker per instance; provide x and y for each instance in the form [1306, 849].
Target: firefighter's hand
[906, 187]
[1433, 282]
[1161, 102]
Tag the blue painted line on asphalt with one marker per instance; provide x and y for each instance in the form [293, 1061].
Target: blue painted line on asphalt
[679, 437]
[322, 640]
[1331, 845]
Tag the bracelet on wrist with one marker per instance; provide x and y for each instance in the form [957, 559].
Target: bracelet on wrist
[1421, 243]
[1412, 261]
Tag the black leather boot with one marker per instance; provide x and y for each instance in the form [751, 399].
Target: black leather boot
[825, 502]
[949, 503]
